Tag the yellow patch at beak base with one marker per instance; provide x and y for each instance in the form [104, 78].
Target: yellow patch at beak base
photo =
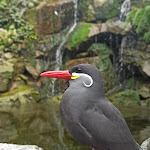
[75, 77]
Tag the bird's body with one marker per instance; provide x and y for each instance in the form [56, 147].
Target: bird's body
[90, 117]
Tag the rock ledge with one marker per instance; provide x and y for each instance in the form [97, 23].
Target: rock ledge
[5, 146]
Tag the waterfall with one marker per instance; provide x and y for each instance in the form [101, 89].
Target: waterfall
[59, 52]
[125, 8]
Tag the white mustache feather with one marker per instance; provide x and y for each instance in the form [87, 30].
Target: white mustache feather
[85, 75]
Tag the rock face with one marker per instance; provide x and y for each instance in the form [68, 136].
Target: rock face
[4, 146]
[136, 52]
[6, 74]
[54, 16]
[21, 95]
[112, 27]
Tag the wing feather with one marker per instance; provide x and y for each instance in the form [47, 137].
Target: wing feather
[107, 127]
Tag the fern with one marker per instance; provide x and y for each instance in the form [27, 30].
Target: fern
[140, 18]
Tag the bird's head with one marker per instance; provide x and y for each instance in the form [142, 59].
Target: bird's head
[84, 75]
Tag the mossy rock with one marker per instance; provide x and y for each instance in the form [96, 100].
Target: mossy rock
[129, 97]
[98, 10]
[22, 95]
[6, 74]
[79, 35]
[56, 99]
[105, 65]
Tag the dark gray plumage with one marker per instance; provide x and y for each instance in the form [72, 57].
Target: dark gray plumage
[90, 117]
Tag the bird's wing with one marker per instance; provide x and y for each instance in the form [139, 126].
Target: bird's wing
[107, 127]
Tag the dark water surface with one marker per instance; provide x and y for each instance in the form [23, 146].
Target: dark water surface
[40, 124]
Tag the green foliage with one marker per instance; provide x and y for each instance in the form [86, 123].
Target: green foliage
[101, 49]
[129, 97]
[105, 65]
[115, 10]
[104, 53]
[79, 35]
[3, 4]
[17, 31]
[83, 6]
[140, 18]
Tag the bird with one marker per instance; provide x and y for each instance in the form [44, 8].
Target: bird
[88, 115]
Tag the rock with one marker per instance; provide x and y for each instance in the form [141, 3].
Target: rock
[52, 17]
[6, 74]
[8, 55]
[146, 67]
[30, 5]
[118, 27]
[141, 45]
[96, 29]
[144, 91]
[32, 71]
[22, 95]
[146, 144]
[140, 59]
[148, 48]
[5, 146]
[95, 61]
[112, 27]
[129, 97]
[56, 99]
[135, 52]
[39, 54]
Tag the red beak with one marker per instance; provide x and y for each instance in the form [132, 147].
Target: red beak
[58, 74]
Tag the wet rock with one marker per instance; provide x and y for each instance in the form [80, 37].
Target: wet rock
[146, 144]
[21, 95]
[140, 59]
[129, 97]
[6, 74]
[136, 52]
[4, 146]
[52, 17]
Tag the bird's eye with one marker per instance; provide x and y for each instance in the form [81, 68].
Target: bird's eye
[78, 70]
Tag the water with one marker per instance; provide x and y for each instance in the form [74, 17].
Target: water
[40, 124]
[59, 52]
[125, 8]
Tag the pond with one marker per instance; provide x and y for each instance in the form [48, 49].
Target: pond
[40, 124]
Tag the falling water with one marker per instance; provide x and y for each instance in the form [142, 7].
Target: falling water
[58, 51]
[125, 8]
